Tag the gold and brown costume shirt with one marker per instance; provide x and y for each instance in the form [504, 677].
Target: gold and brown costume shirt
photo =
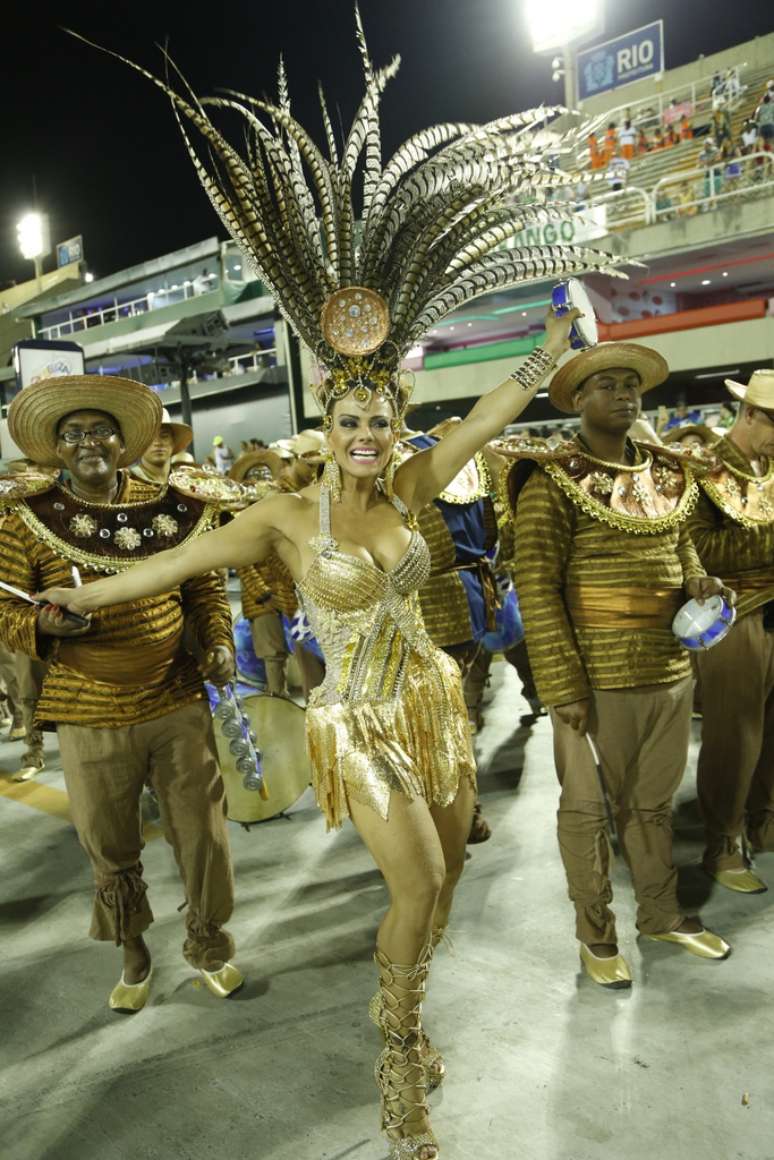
[132, 665]
[733, 526]
[602, 553]
[270, 579]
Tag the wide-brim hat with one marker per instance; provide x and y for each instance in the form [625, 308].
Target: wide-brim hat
[648, 364]
[307, 444]
[677, 434]
[759, 392]
[182, 434]
[252, 459]
[35, 413]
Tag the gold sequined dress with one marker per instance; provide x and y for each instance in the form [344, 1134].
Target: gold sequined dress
[390, 714]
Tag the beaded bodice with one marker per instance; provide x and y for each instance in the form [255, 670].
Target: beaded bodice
[366, 620]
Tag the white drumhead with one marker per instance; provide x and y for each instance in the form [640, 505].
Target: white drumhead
[579, 298]
[693, 618]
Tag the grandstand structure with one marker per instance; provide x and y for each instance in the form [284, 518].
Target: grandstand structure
[704, 296]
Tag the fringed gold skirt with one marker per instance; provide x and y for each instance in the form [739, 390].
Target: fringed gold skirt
[418, 744]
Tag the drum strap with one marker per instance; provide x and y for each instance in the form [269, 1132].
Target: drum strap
[594, 606]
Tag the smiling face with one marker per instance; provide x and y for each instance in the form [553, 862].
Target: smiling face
[609, 401]
[362, 438]
[93, 459]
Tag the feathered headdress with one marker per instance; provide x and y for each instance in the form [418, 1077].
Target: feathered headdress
[360, 284]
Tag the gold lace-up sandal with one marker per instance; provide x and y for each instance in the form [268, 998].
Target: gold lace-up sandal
[401, 1071]
[431, 1056]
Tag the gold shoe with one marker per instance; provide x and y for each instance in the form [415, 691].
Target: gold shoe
[400, 1070]
[27, 772]
[435, 1067]
[705, 944]
[608, 972]
[742, 881]
[224, 982]
[130, 997]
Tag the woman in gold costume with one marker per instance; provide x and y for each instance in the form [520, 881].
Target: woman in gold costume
[387, 730]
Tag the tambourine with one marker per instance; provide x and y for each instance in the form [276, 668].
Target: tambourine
[702, 626]
[572, 295]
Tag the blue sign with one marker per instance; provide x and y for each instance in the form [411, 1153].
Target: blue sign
[69, 251]
[618, 62]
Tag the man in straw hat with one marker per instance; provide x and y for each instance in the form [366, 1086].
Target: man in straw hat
[603, 561]
[128, 702]
[155, 462]
[268, 591]
[733, 530]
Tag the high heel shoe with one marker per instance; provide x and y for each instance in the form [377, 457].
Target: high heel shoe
[400, 1070]
[432, 1059]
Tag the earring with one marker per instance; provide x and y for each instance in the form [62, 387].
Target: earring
[331, 476]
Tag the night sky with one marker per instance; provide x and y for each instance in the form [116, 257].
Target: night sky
[100, 146]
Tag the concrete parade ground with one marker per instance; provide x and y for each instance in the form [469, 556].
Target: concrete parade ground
[542, 1063]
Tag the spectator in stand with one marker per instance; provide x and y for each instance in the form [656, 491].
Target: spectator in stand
[671, 137]
[686, 129]
[681, 417]
[617, 173]
[664, 204]
[732, 174]
[762, 170]
[627, 138]
[749, 136]
[685, 199]
[721, 127]
[709, 160]
[643, 145]
[726, 416]
[581, 194]
[658, 139]
[596, 155]
[611, 142]
[764, 118]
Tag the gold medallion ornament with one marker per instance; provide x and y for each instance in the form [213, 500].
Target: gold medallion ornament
[355, 321]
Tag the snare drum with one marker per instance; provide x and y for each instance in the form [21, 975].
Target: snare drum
[702, 626]
[279, 727]
[568, 296]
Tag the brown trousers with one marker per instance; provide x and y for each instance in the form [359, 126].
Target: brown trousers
[642, 737]
[269, 645]
[105, 771]
[736, 762]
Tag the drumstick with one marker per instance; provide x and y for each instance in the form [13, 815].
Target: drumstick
[611, 826]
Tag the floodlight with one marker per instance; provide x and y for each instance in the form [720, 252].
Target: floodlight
[554, 24]
[33, 234]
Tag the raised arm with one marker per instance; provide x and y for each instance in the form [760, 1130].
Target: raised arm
[422, 477]
[245, 540]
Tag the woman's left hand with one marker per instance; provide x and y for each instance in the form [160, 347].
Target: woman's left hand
[558, 331]
[73, 599]
[218, 665]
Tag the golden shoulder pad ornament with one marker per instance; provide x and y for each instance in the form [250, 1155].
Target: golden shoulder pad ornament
[355, 320]
[209, 486]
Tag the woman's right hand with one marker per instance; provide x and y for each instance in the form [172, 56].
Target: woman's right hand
[53, 622]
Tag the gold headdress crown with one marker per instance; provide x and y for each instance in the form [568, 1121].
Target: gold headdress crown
[360, 285]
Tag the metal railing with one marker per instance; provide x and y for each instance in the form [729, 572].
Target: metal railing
[626, 208]
[153, 300]
[714, 185]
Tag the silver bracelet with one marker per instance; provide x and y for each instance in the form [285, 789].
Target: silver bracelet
[532, 372]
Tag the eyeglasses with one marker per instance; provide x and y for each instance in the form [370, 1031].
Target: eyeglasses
[101, 433]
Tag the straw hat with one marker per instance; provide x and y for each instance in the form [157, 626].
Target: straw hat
[648, 364]
[182, 434]
[759, 392]
[252, 459]
[36, 411]
[677, 434]
[307, 443]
